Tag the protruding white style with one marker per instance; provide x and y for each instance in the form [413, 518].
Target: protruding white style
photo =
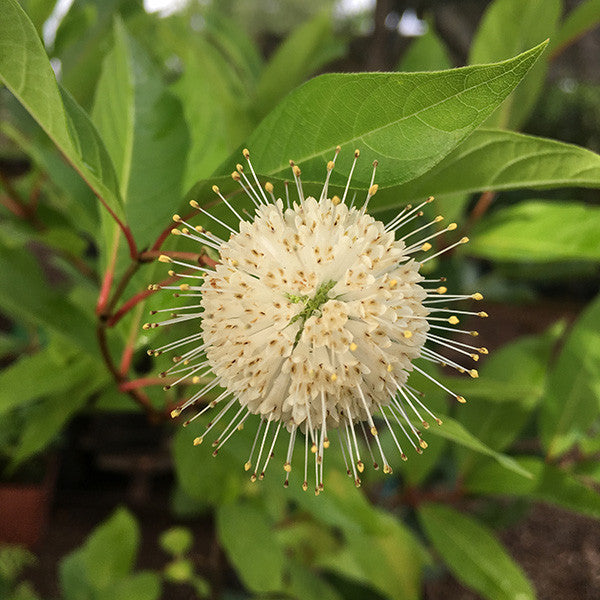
[313, 319]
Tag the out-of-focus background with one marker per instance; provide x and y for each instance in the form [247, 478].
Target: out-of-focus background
[100, 499]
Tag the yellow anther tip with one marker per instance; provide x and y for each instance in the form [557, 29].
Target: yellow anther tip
[164, 258]
[175, 413]
[336, 200]
[390, 368]
[198, 441]
[296, 170]
[373, 430]
[477, 296]
[247, 466]
[269, 187]
[439, 218]
[461, 399]
[333, 377]
[426, 246]
[175, 231]
[407, 334]
[360, 466]
[430, 199]
[373, 189]
[452, 227]
[194, 204]
[353, 347]
[464, 240]
[453, 320]
[356, 153]
[246, 153]
[473, 373]
[215, 189]
[442, 290]
[184, 287]
[423, 444]
[482, 314]
[176, 218]
[393, 283]
[330, 165]
[287, 467]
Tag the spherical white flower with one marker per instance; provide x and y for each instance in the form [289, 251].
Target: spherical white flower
[312, 319]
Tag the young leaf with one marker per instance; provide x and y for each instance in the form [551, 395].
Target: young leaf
[300, 55]
[146, 134]
[508, 27]
[176, 541]
[474, 555]
[538, 231]
[549, 484]
[501, 160]
[572, 398]
[413, 119]
[246, 535]
[26, 72]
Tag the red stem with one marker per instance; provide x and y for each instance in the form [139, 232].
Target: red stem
[107, 280]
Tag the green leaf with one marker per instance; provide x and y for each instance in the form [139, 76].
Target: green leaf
[26, 72]
[501, 160]
[583, 18]
[49, 417]
[144, 585]
[25, 294]
[413, 119]
[37, 376]
[106, 558]
[247, 537]
[215, 114]
[549, 484]
[425, 53]
[378, 549]
[146, 134]
[300, 55]
[509, 27]
[498, 420]
[110, 552]
[572, 398]
[452, 430]
[539, 231]
[308, 585]
[176, 541]
[474, 555]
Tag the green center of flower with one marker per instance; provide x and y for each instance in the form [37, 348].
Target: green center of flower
[311, 305]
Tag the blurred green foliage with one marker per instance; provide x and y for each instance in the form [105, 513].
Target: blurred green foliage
[148, 113]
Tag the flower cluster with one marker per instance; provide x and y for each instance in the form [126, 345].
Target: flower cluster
[312, 319]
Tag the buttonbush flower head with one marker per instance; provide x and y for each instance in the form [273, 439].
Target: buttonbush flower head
[313, 319]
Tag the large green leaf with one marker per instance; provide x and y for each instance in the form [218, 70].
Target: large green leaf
[549, 484]
[538, 231]
[300, 55]
[474, 555]
[500, 160]
[572, 398]
[145, 131]
[413, 119]
[247, 537]
[26, 72]
[509, 27]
